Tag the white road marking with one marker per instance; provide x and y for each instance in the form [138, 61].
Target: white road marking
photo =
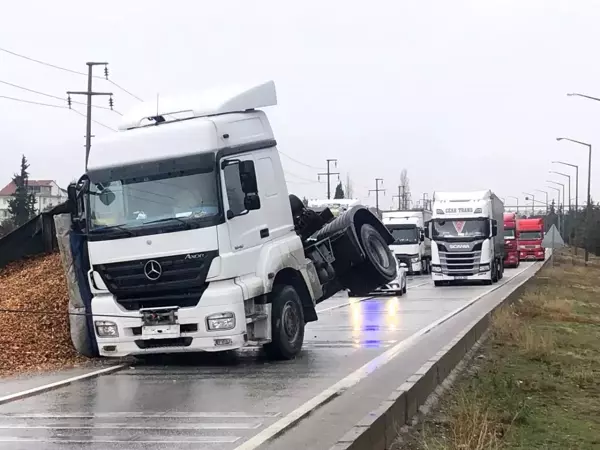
[358, 375]
[57, 384]
[134, 415]
[362, 299]
[120, 426]
[58, 439]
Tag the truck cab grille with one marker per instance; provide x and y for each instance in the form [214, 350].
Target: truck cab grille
[460, 263]
[176, 281]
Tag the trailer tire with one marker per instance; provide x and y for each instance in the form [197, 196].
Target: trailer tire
[287, 324]
[377, 251]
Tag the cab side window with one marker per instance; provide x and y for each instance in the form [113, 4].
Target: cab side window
[241, 186]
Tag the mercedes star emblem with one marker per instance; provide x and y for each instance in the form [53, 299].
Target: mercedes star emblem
[153, 270]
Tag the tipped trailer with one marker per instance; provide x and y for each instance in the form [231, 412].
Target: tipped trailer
[183, 236]
[467, 237]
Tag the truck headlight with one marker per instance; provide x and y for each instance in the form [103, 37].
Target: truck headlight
[221, 321]
[106, 329]
[436, 269]
[484, 267]
[414, 259]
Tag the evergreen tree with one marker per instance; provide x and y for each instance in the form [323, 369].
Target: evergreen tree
[339, 191]
[22, 206]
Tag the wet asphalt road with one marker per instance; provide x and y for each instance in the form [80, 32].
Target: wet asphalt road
[217, 402]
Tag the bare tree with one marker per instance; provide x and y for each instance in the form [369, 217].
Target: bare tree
[404, 198]
[348, 187]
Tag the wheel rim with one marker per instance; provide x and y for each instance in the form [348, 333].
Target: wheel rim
[382, 255]
[291, 322]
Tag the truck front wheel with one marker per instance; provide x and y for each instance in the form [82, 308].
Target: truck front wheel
[287, 323]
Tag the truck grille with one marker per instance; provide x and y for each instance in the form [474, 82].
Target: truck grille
[181, 282]
[460, 263]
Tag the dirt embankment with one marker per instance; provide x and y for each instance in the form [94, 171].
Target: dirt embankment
[37, 340]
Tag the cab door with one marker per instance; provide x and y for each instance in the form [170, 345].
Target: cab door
[247, 223]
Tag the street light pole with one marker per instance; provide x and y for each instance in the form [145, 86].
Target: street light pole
[569, 177]
[545, 192]
[588, 212]
[576, 183]
[558, 202]
[563, 202]
[532, 203]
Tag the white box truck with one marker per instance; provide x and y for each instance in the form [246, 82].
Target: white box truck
[183, 236]
[410, 245]
[467, 234]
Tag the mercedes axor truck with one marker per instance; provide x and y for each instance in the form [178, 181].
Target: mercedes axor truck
[184, 238]
[467, 237]
[511, 236]
[531, 234]
[410, 245]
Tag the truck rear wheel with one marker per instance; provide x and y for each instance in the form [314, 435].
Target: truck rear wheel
[287, 323]
[377, 251]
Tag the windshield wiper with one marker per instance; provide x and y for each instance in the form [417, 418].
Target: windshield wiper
[167, 219]
[120, 227]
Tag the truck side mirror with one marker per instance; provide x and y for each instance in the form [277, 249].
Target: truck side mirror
[426, 229]
[494, 228]
[422, 236]
[248, 177]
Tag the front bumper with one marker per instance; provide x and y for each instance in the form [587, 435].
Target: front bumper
[219, 297]
[436, 276]
[535, 255]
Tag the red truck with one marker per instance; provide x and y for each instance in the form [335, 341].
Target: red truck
[531, 233]
[511, 249]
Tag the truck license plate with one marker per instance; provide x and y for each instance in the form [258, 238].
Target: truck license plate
[161, 331]
[460, 278]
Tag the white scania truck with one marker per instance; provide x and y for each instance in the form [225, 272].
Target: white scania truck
[410, 245]
[184, 238]
[467, 237]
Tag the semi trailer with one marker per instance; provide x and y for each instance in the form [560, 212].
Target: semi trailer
[410, 245]
[511, 240]
[467, 237]
[182, 235]
[531, 234]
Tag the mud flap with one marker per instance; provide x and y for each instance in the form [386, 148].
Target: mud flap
[73, 252]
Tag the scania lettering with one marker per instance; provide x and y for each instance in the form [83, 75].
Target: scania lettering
[184, 237]
[410, 246]
[467, 237]
[511, 250]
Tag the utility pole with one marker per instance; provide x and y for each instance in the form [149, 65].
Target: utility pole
[328, 175]
[377, 191]
[89, 94]
[400, 197]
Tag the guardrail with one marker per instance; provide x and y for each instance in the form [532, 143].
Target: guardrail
[379, 429]
[35, 237]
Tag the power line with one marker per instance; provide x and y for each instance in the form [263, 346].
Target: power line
[56, 96]
[300, 162]
[54, 106]
[54, 66]
[33, 103]
[301, 178]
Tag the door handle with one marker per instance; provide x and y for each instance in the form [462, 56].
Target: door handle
[264, 233]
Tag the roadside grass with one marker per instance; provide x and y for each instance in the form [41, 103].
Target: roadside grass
[535, 383]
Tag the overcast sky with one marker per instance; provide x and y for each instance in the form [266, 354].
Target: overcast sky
[463, 94]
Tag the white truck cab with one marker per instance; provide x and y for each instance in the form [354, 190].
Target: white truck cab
[467, 237]
[410, 245]
[193, 242]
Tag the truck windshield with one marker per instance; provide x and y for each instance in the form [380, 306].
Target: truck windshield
[180, 197]
[529, 235]
[404, 234]
[509, 233]
[456, 228]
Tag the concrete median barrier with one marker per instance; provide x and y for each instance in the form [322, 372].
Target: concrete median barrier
[380, 428]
